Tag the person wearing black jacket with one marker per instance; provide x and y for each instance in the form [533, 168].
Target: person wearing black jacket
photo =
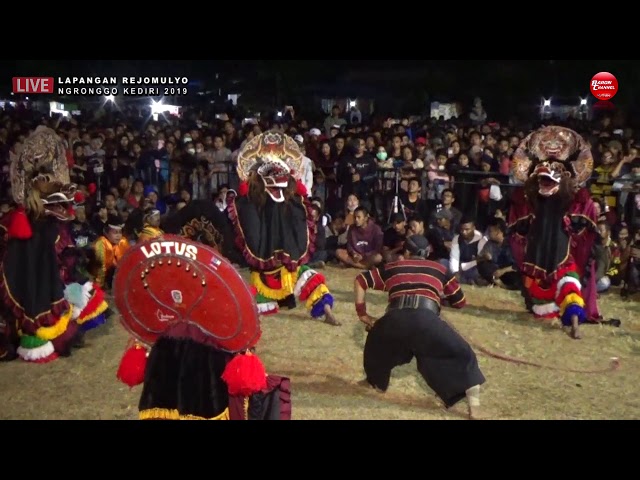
[357, 171]
[320, 254]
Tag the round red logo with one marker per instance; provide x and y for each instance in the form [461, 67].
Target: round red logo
[604, 86]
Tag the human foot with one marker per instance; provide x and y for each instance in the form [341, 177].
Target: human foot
[329, 317]
[575, 328]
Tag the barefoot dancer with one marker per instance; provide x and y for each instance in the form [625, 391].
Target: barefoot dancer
[554, 232]
[413, 326]
[275, 229]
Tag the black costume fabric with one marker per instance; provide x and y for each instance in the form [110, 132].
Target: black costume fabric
[183, 376]
[31, 280]
[445, 360]
[548, 228]
[288, 241]
[202, 221]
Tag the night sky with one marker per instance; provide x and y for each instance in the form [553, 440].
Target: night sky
[566, 77]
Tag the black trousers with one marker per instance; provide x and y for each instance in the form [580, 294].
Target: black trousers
[445, 359]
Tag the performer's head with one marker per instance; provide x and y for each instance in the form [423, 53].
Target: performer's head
[152, 218]
[113, 230]
[416, 246]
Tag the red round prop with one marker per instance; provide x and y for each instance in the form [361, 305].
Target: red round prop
[171, 279]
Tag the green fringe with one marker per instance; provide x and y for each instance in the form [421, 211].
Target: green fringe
[573, 275]
[29, 342]
[303, 269]
[262, 299]
[537, 301]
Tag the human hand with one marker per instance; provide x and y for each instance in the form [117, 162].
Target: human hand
[368, 321]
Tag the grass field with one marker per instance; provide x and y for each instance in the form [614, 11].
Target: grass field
[325, 363]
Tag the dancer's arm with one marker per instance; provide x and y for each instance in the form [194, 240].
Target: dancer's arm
[365, 280]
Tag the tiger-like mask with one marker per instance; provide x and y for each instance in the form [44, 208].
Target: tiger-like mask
[275, 158]
[550, 156]
[40, 179]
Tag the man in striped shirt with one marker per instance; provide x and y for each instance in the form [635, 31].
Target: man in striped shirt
[412, 326]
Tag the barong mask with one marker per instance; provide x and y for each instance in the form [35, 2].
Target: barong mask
[550, 155]
[275, 158]
[40, 181]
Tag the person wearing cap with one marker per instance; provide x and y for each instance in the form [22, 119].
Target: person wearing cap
[440, 237]
[151, 225]
[413, 327]
[108, 249]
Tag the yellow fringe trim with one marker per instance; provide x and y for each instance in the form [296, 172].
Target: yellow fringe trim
[246, 408]
[101, 309]
[287, 278]
[571, 299]
[54, 331]
[172, 414]
[316, 295]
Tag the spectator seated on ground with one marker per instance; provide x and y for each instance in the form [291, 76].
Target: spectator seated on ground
[607, 257]
[495, 262]
[632, 278]
[394, 237]
[446, 203]
[440, 237]
[412, 200]
[336, 235]
[465, 248]
[623, 255]
[319, 256]
[364, 242]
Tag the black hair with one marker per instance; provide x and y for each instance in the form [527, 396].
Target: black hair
[361, 209]
[498, 223]
[467, 219]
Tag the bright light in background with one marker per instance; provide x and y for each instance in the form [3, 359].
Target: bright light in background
[26, 98]
[156, 107]
[279, 114]
[352, 103]
[547, 103]
[583, 101]
[110, 98]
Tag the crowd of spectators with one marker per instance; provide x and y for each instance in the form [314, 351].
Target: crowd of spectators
[371, 185]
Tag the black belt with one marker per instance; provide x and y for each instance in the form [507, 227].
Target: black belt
[415, 302]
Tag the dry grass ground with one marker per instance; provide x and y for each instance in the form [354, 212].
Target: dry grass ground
[325, 363]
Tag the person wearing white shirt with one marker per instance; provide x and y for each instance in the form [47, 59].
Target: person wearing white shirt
[307, 166]
[465, 248]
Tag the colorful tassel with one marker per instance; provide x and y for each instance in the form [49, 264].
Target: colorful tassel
[245, 375]
[243, 189]
[19, 226]
[572, 310]
[132, 365]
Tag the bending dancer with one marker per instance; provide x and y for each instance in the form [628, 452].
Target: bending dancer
[413, 326]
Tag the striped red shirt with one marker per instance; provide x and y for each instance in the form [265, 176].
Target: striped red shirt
[414, 277]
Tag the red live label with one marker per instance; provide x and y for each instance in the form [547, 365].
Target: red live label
[32, 84]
